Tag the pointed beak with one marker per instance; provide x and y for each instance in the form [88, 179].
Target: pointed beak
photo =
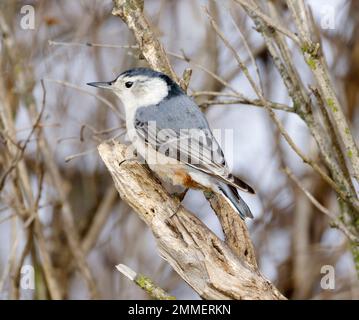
[104, 85]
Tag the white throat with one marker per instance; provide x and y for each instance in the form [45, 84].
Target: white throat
[147, 93]
[150, 93]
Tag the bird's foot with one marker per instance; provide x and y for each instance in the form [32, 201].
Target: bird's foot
[180, 195]
[176, 209]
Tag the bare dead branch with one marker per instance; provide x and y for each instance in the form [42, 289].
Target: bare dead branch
[205, 262]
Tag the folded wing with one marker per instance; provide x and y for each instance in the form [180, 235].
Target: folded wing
[179, 130]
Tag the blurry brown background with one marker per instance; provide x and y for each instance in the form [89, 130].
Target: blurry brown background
[75, 42]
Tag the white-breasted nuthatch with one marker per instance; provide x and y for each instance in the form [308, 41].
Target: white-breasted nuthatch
[168, 129]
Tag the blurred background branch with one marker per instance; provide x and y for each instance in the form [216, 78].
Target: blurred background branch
[144, 283]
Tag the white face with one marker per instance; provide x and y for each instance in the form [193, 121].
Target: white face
[139, 91]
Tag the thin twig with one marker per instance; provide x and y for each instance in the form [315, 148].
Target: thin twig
[102, 99]
[252, 102]
[336, 221]
[269, 21]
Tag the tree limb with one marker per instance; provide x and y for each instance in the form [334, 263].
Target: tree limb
[204, 261]
[131, 12]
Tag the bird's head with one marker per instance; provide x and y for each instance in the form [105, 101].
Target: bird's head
[141, 87]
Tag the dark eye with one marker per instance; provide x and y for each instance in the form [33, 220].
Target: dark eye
[128, 84]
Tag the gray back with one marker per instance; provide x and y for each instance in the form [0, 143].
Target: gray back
[179, 112]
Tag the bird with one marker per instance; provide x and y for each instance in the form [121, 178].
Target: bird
[168, 129]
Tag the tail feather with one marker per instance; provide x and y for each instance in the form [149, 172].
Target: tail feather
[231, 195]
[242, 184]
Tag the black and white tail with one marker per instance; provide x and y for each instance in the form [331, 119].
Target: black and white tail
[231, 195]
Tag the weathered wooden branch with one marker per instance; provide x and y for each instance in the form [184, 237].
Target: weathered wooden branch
[235, 230]
[215, 269]
[212, 268]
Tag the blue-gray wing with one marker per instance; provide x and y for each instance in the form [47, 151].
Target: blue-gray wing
[178, 129]
[180, 112]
